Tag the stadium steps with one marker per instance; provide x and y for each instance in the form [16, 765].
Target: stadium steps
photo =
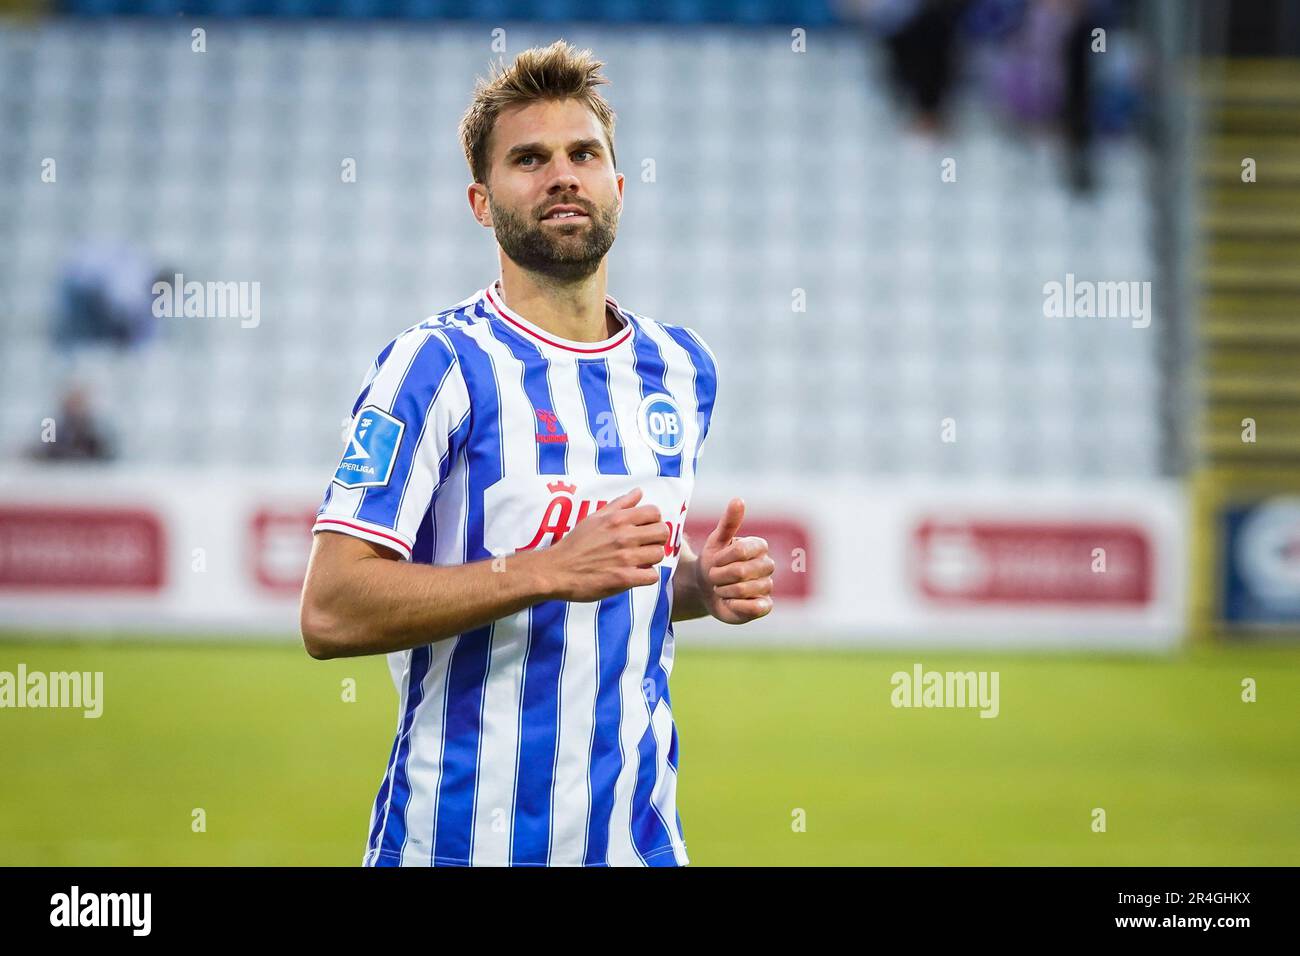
[1249, 314]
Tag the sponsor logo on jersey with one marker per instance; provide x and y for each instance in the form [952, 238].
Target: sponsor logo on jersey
[549, 429]
[561, 516]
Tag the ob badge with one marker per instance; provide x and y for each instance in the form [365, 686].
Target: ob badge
[372, 450]
[660, 423]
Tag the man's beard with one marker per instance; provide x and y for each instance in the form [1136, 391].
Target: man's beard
[564, 258]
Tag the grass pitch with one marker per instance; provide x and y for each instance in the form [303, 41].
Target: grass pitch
[259, 737]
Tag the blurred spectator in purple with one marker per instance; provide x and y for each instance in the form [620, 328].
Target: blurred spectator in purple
[1031, 73]
[106, 297]
[1044, 74]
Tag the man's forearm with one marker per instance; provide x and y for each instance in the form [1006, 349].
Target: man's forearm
[377, 605]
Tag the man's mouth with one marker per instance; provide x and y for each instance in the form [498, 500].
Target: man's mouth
[565, 214]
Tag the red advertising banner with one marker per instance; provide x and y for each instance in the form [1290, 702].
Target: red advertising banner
[1032, 562]
[280, 543]
[113, 549]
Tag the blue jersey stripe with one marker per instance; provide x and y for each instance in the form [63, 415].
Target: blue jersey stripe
[552, 456]
[395, 826]
[539, 722]
[468, 667]
[598, 401]
[422, 549]
[381, 798]
[485, 457]
[649, 362]
[461, 737]
[613, 625]
[370, 375]
[706, 382]
[655, 679]
[668, 702]
[649, 829]
[664, 857]
[426, 377]
[672, 746]
[459, 435]
[361, 399]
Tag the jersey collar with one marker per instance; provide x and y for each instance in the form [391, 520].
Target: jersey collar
[496, 303]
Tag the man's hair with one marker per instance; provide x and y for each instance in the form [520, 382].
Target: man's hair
[559, 71]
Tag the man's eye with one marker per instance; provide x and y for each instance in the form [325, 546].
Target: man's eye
[527, 156]
[584, 152]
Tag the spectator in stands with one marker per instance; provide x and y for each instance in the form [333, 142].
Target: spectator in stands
[106, 297]
[921, 39]
[77, 435]
[1045, 76]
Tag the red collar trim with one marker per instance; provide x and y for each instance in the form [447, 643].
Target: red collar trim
[584, 348]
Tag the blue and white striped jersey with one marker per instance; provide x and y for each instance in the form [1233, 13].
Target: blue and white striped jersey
[546, 737]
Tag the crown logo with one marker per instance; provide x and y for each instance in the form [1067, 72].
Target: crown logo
[555, 486]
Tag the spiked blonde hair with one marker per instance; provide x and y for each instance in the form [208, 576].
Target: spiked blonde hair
[559, 71]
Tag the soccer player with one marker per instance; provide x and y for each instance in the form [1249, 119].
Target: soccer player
[506, 520]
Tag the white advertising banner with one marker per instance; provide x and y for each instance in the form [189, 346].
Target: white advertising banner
[888, 563]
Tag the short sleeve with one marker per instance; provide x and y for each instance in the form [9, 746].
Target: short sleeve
[706, 383]
[706, 378]
[407, 425]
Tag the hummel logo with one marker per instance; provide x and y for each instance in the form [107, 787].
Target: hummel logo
[552, 425]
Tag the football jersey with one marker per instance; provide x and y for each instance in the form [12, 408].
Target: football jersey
[546, 737]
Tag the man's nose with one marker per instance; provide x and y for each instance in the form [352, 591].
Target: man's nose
[566, 176]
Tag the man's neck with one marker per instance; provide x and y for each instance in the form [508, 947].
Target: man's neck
[576, 311]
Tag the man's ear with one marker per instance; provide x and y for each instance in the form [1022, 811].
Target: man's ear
[479, 205]
[618, 178]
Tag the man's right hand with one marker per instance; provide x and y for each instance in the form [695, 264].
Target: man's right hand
[614, 549]
[361, 598]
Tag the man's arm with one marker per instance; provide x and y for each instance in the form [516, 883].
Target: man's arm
[730, 579]
[361, 598]
[689, 599]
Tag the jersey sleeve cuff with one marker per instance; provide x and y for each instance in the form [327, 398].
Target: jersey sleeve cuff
[366, 530]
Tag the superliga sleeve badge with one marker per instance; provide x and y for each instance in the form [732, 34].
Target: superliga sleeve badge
[372, 449]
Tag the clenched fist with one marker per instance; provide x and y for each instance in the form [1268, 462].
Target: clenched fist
[609, 551]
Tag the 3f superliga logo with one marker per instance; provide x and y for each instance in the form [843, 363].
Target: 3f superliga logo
[372, 450]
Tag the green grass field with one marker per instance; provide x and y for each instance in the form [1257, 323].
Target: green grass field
[258, 736]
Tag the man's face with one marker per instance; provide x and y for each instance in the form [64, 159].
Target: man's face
[543, 155]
